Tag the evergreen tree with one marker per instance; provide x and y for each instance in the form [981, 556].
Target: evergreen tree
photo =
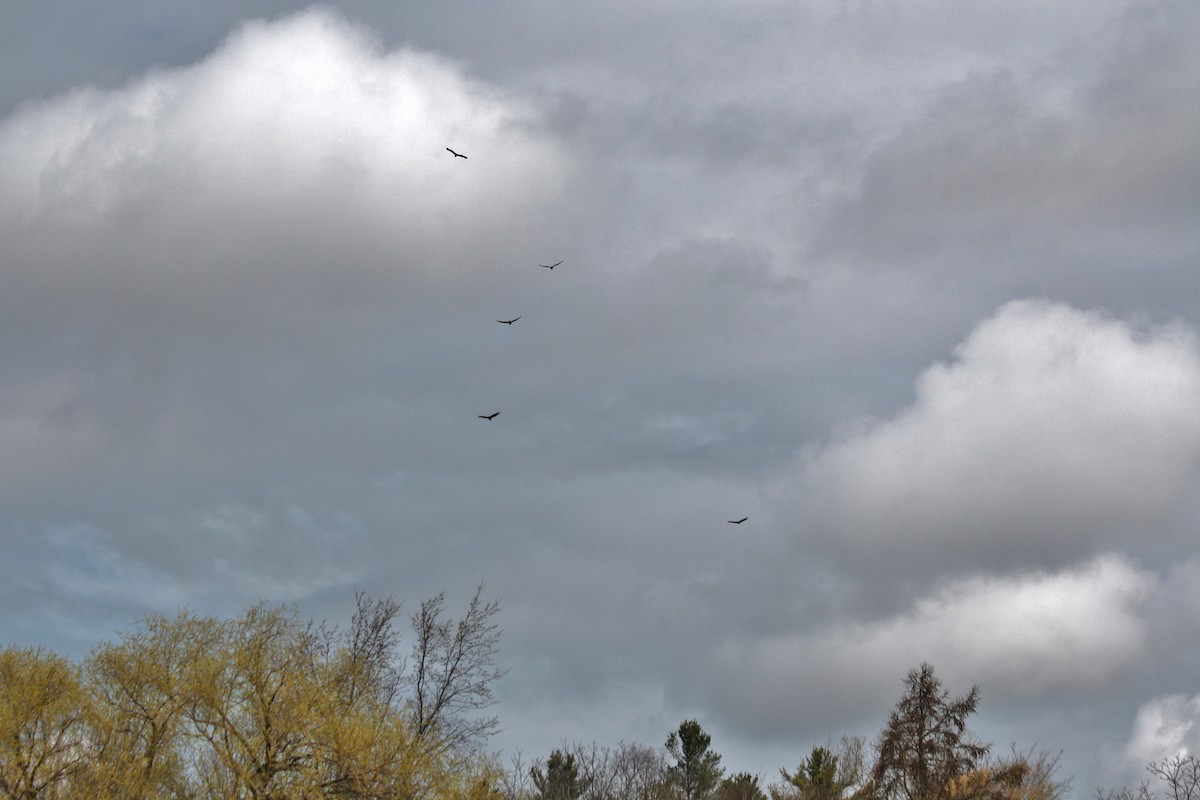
[817, 777]
[740, 786]
[559, 779]
[697, 769]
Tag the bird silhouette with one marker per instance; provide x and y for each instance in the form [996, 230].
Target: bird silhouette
[456, 155]
[549, 266]
[489, 416]
[737, 521]
[508, 321]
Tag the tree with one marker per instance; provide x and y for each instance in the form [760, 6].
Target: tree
[624, 772]
[817, 777]
[985, 784]
[44, 736]
[1030, 775]
[514, 781]
[596, 770]
[263, 706]
[828, 772]
[1181, 773]
[852, 766]
[1022, 775]
[559, 778]
[925, 744]
[740, 786]
[256, 701]
[454, 667]
[283, 715]
[370, 649]
[141, 698]
[638, 772]
[697, 769]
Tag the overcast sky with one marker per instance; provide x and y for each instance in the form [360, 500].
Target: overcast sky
[912, 285]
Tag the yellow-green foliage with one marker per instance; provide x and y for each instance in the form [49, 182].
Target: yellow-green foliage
[262, 706]
[43, 723]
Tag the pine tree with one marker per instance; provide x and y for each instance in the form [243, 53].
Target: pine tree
[697, 769]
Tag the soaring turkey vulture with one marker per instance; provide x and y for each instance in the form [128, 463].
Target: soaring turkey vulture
[549, 266]
[456, 155]
[489, 416]
[737, 521]
[508, 321]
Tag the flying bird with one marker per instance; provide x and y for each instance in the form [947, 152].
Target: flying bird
[456, 155]
[489, 416]
[549, 266]
[737, 521]
[508, 321]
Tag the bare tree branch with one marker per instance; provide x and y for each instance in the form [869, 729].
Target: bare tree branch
[453, 670]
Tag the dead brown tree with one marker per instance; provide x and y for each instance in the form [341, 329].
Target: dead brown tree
[925, 744]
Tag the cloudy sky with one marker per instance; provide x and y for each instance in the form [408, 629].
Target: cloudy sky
[912, 285]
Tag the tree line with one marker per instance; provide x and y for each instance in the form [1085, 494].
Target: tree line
[924, 752]
[264, 706]
[267, 706]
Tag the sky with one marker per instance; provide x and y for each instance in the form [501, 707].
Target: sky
[913, 286]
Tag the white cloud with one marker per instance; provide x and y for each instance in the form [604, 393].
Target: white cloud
[1165, 727]
[294, 135]
[1020, 636]
[1052, 427]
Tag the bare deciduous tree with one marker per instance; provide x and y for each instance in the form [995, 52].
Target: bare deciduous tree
[595, 770]
[1180, 773]
[372, 647]
[1142, 792]
[452, 671]
[639, 772]
[514, 783]
[624, 772]
[852, 764]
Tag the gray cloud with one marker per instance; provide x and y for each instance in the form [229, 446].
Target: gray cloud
[1068, 176]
